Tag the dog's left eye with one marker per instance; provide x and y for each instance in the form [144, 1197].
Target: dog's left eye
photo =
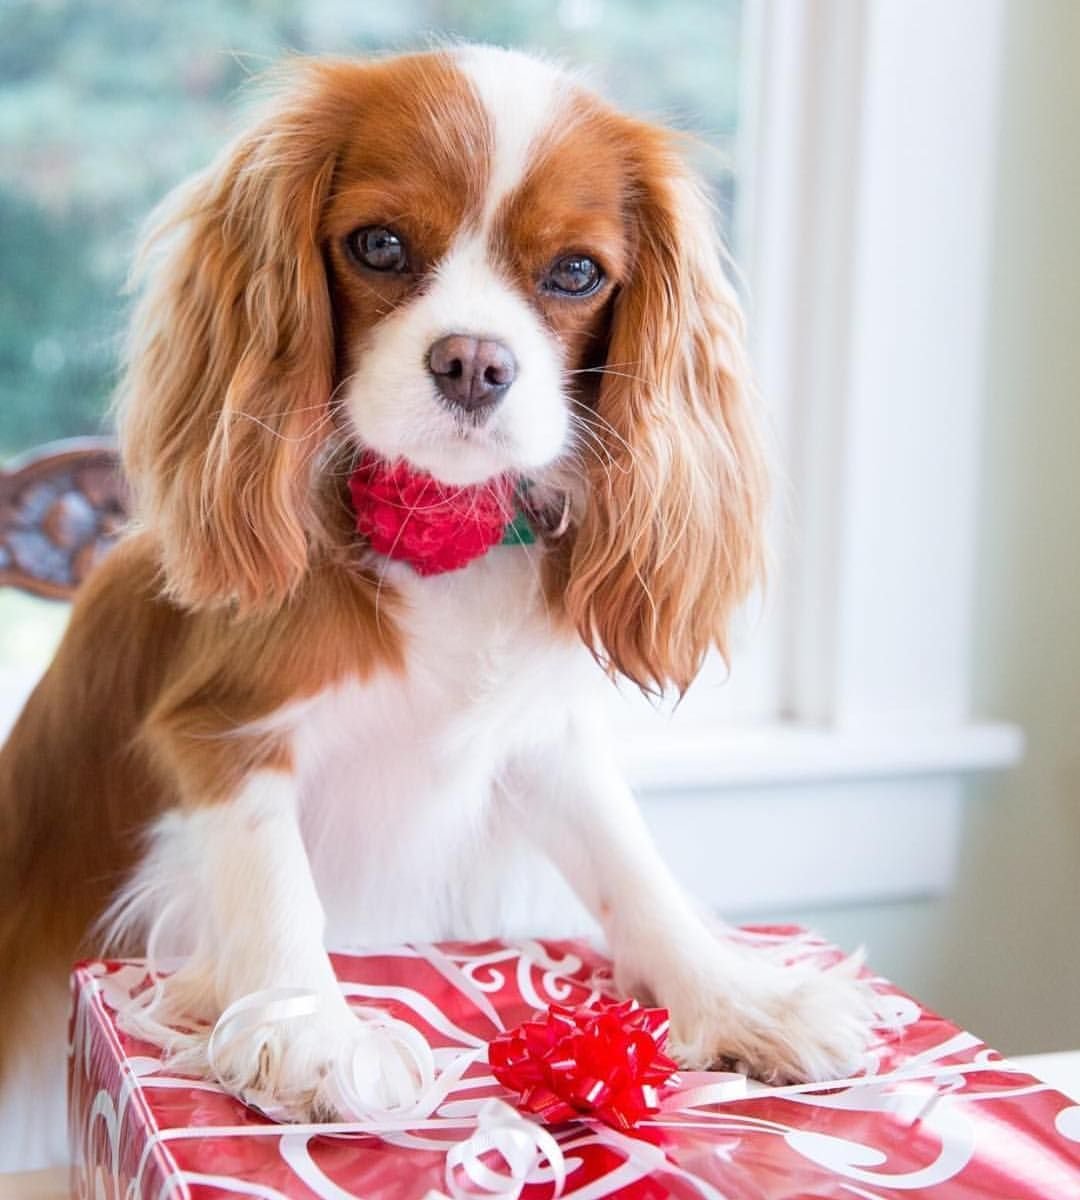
[378, 248]
[573, 275]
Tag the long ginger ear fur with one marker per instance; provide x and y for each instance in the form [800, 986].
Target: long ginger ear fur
[670, 540]
[230, 363]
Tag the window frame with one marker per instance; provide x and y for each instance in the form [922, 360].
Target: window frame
[866, 198]
[867, 622]
[849, 148]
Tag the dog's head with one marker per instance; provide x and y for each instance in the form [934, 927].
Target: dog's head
[466, 260]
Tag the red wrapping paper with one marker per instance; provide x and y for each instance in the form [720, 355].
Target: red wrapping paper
[960, 1124]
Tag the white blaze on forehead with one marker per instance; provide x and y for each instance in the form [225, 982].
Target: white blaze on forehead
[523, 97]
[391, 400]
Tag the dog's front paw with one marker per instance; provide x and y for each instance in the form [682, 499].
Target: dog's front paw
[327, 1066]
[778, 1024]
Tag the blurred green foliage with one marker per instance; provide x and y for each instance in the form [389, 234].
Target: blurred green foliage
[105, 104]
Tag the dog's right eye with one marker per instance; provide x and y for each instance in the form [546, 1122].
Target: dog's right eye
[378, 248]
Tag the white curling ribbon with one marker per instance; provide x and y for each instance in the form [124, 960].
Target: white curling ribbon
[268, 1007]
[523, 1146]
[396, 1057]
[395, 1060]
[701, 1088]
[259, 1008]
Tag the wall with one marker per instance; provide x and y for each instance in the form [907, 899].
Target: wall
[1001, 954]
[1011, 929]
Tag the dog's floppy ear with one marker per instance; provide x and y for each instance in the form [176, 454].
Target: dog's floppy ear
[670, 539]
[230, 363]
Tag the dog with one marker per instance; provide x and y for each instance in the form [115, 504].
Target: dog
[281, 716]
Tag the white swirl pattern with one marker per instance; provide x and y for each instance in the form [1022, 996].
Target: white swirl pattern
[936, 1081]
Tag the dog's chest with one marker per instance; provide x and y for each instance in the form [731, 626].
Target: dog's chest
[399, 773]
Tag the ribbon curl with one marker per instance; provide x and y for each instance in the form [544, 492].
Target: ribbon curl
[522, 1145]
[400, 1049]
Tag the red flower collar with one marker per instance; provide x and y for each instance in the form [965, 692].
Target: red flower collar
[435, 527]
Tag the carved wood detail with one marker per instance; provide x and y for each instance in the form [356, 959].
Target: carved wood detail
[61, 509]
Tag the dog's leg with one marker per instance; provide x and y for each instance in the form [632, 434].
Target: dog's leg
[728, 1004]
[239, 873]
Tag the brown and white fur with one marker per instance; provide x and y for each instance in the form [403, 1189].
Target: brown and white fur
[260, 738]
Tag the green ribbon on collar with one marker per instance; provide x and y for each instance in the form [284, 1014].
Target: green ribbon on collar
[519, 532]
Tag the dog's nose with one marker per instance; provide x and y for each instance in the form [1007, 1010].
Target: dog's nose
[472, 373]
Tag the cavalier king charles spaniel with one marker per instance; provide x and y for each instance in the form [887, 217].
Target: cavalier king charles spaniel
[435, 397]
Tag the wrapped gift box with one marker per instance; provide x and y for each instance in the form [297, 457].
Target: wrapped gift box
[935, 1113]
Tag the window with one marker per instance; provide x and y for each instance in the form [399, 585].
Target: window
[105, 107]
[860, 216]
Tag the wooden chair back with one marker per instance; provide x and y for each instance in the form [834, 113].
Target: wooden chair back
[62, 506]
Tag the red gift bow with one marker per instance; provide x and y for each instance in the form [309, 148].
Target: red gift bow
[605, 1062]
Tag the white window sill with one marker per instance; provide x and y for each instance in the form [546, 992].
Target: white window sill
[847, 817]
[819, 817]
[789, 753]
